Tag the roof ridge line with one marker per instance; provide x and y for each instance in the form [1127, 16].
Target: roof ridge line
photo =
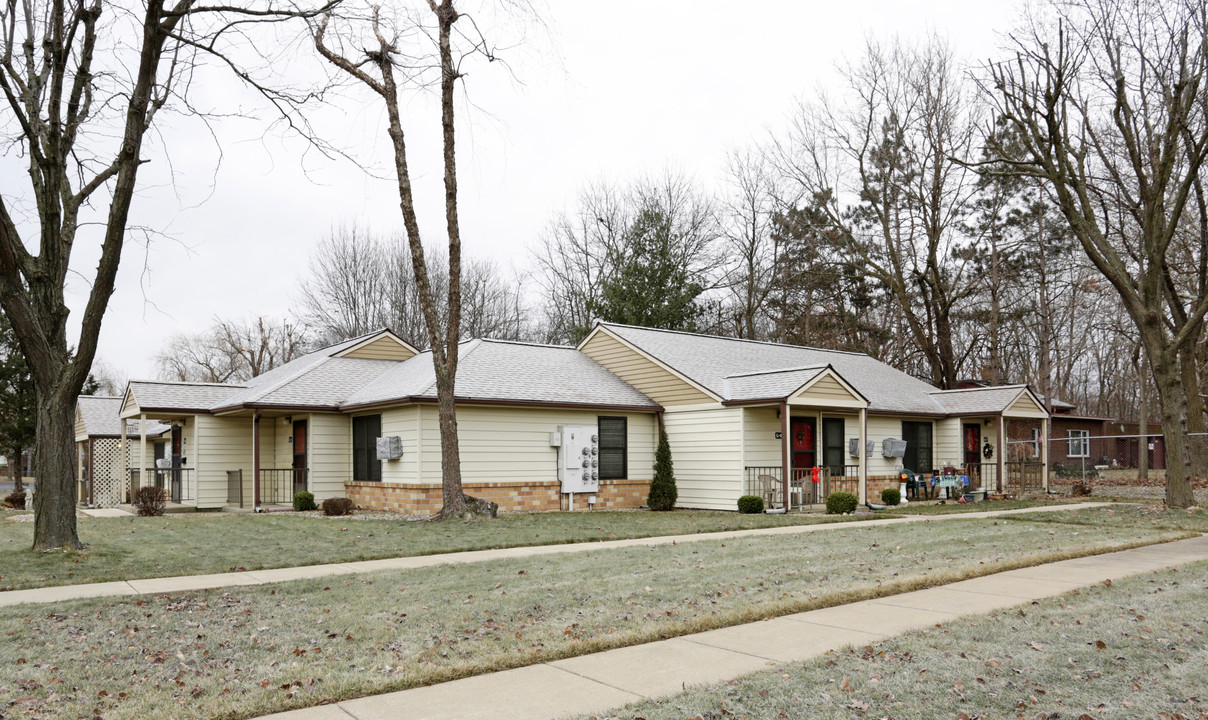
[179, 382]
[474, 344]
[815, 366]
[978, 389]
[735, 339]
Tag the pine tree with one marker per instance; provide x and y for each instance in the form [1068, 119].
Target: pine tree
[663, 492]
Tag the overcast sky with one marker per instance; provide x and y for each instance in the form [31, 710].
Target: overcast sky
[609, 90]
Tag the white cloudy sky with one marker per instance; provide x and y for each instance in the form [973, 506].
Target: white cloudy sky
[610, 90]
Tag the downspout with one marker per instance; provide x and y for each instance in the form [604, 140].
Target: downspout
[256, 461]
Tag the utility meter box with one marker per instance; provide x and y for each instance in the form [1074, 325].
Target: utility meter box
[579, 458]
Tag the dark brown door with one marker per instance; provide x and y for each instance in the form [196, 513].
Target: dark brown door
[299, 464]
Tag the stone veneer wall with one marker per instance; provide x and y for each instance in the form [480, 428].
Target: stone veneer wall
[512, 497]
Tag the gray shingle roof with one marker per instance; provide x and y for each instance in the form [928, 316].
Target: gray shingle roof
[503, 371]
[326, 383]
[975, 401]
[708, 360]
[769, 384]
[180, 396]
[100, 415]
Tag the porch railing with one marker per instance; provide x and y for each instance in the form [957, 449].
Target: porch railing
[1024, 476]
[278, 485]
[982, 475]
[179, 482]
[767, 482]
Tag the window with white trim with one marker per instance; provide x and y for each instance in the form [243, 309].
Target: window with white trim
[1080, 444]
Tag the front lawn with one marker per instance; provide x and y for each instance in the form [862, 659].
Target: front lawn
[202, 543]
[245, 651]
[951, 506]
[1135, 649]
[1143, 515]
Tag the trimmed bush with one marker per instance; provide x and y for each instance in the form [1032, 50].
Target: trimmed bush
[337, 506]
[150, 501]
[663, 492]
[841, 503]
[750, 504]
[891, 496]
[304, 501]
[15, 499]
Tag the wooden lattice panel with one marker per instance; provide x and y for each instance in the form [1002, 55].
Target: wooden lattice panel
[108, 484]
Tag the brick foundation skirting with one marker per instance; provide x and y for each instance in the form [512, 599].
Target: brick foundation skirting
[425, 499]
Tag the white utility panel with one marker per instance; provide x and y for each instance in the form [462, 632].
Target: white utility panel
[579, 458]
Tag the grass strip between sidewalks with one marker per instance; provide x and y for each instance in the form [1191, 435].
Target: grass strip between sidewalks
[247, 651]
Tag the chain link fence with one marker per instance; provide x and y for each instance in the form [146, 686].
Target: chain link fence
[1124, 460]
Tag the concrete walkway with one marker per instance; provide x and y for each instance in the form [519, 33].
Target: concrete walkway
[593, 684]
[106, 513]
[184, 583]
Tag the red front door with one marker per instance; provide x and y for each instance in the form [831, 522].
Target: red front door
[804, 433]
[972, 444]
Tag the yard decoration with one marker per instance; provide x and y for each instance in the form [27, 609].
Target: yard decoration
[663, 492]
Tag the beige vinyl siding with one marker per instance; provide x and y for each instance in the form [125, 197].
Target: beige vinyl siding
[1025, 406]
[330, 454]
[642, 373]
[707, 450]
[222, 444]
[511, 444]
[384, 348]
[948, 437]
[827, 391]
[129, 406]
[403, 422]
[881, 427]
[81, 432]
[760, 446]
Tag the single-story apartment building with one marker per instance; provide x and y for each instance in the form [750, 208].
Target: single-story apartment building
[741, 416]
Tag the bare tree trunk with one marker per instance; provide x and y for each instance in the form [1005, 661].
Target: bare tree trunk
[1173, 403]
[1143, 423]
[15, 469]
[55, 495]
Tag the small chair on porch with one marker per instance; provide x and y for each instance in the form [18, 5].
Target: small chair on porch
[914, 483]
[768, 489]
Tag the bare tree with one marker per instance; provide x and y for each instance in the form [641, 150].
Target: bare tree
[374, 53]
[751, 249]
[1108, 101]
[359, 282]
[81, 92]
[886, 164]
[232, 351]
[583, 252]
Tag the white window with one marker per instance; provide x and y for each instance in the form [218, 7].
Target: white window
[1080, 444]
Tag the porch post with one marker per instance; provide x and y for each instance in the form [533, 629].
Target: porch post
[256, 460]
[88, 473]
[786, 466]
[142, 448]
[863, 455]
[1044, 451]
[1002, 453]
[123, 453]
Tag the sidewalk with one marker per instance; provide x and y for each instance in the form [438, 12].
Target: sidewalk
[184, 583]
[592, 684]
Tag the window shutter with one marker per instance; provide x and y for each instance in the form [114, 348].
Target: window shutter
[613, 447]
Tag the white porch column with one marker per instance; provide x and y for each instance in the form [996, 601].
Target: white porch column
[863, 455]
[142, 449]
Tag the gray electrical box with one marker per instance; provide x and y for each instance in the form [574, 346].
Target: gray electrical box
[389, 448]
